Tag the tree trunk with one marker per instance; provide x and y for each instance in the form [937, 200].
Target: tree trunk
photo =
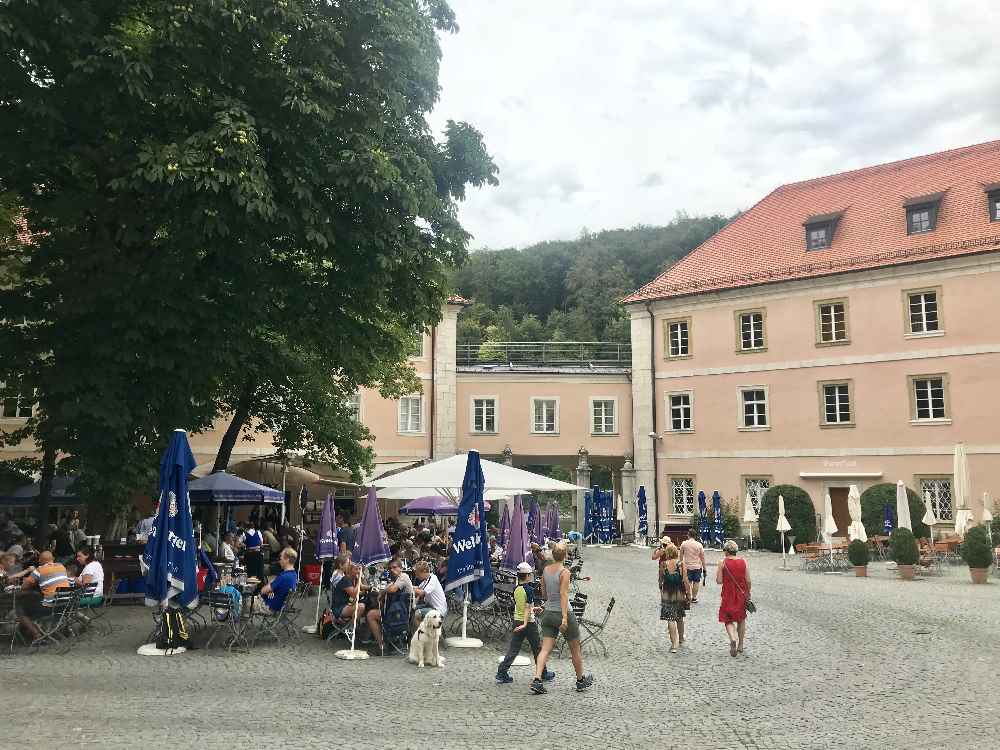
[240, 417]
[44, 496]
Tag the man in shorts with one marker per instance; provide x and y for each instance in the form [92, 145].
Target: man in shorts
[693, 557]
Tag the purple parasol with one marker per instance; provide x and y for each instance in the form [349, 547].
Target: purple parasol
[371, 545]
[326, 537]
[431, 505]
[535, 522]
[517, 549]
[504, 526]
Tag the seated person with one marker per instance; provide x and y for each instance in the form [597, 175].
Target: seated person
[10, 568]
[91, 572]
[399, 582]
[276, 592]
[227, 551]
[429, 592]
[344, 594]
[19, 546]
[38, 592]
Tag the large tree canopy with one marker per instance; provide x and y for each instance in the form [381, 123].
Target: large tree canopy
[229, 199]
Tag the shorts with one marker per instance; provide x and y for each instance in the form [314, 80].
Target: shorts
[694, 575]
[30, 605]
[551, 620]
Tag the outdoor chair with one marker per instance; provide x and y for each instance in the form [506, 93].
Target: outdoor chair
[9, 627]
[397, 615]
[280, 625]
[220, 618]
[593, 629]
[55, 627]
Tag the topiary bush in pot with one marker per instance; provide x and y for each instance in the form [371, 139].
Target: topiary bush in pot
[903, 546]
[799, 510]
[857, 553]
[977, 553]
[873, 502]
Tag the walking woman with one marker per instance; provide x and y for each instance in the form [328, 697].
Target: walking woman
[734, 577]
[675, 593]
[558, 618]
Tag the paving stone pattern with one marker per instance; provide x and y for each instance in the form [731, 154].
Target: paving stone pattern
[832, 662]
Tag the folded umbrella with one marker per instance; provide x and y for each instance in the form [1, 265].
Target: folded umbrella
[929, 518]
[902, 507]
[829, 525]
[857, 529]
[782, 527]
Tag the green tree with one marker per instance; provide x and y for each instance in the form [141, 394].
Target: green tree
[873, 502]
[799, 510]
[228, 199]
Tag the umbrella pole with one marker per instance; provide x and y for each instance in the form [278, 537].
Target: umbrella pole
[784, 558]
[352, 654]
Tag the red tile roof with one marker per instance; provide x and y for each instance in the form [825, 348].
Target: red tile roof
[767, 244]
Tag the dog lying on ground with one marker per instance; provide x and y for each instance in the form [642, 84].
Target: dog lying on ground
[424, 645]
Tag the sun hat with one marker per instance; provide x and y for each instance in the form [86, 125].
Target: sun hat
[523, 568]
[666, 541]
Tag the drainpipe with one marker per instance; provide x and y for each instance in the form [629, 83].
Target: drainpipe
[652, 393]
[430, 409]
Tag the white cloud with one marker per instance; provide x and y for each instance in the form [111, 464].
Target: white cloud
[613, 114]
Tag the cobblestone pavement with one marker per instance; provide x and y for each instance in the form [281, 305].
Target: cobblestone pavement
[832, 661]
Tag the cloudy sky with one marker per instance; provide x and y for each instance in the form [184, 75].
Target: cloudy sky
[609, 114]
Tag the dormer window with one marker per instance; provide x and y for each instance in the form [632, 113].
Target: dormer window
[922, 213]
[820, 229]
[993, 201]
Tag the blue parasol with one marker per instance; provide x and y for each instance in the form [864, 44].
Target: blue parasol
[704, 526]
[888, 523]
[516, 550]
[504, 533]
[717, 514]
[169, 559]
[643, 529]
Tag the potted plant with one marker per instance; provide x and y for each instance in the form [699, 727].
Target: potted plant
[977, 553]
[857, 553]
[903, 546]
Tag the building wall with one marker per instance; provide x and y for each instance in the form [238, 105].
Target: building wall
[573, 392]
[877, 361]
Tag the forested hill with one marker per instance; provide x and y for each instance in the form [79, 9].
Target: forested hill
[569, 290]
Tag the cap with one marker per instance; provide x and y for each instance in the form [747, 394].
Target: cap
[524, 568]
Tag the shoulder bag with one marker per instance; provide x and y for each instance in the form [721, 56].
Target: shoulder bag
[748, 602]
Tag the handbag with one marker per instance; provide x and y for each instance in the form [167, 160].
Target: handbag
[748, 602]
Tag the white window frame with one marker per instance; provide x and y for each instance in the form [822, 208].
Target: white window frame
[531, 415]
[685, 511]
[915, 419]
[421, 352]
[742, 426]
[614, 415]
[908, 321]
[356, 397]
[822, 386]
[819, 305]
[17, 407]
[496, 415]
[668, 338]
[919, 482]
[670, 410]
[399, 415]
[739, 315]
[755, 499]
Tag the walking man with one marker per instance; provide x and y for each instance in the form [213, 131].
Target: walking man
[693, 557]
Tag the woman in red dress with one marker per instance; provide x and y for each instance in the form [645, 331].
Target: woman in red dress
[734, 577]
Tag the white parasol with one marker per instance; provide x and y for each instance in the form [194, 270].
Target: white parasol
[829, 525]
[960, 491]
[988, 515]
[782, 527]
[749, 516]
[857, 529]
[902, 507]
[929, 518]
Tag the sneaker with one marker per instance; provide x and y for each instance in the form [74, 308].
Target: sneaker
[548, 676]
[584, 682]
[537, 687]
[504, 679]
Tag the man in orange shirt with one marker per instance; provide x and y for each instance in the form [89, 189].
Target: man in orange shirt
[38, 592]
[693, 557]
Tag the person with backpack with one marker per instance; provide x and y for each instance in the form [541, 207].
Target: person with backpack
[400, 588]
[524, 626]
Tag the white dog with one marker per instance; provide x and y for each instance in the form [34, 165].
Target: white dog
[424, 643]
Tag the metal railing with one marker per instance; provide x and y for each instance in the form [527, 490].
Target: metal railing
[546, 353]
